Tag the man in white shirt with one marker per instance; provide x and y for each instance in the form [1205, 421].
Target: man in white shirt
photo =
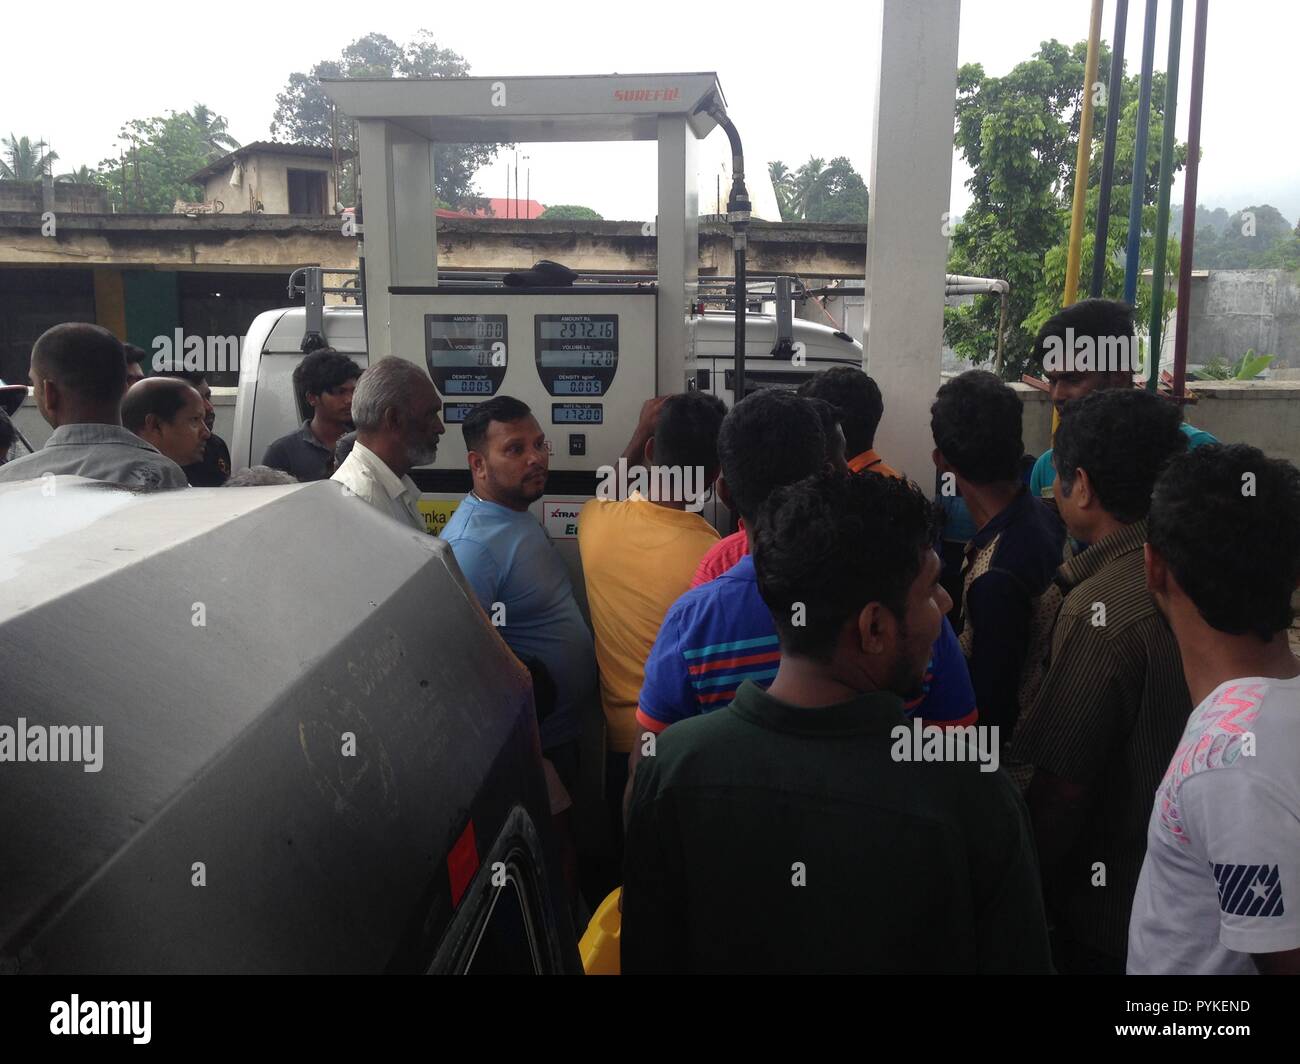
[1219, 891]
[395, 409]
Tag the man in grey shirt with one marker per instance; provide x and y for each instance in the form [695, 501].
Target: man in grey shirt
[78, 374]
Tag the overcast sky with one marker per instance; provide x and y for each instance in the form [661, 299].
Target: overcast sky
[799, 78]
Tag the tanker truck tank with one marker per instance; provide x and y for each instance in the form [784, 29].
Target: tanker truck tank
[260, 730]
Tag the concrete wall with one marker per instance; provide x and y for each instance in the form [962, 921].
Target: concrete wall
[1235, 310]
[73, 198]
[231, 239]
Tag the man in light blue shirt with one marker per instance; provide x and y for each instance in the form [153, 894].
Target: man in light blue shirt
[515, 571]
[1107, 325]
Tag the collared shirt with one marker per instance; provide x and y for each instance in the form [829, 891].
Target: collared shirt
[1010, 562]
[721, 556]
[99, 452]
[870, 462]
[1108, 715]
[637, 558]
[368, 477]
[775, 838]
[721, 634]
[300, 454]
[523, 585]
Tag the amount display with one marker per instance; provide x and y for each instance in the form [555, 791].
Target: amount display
[577, 414]
[577, 354]
[575, 327]
[466, 353]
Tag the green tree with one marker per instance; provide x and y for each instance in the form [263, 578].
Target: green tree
[212, 128]
[82, 175]
[24, 159]
[157, 156]
[818, 192]
[783, 188]
[1019, 134]
[303, 113]
[842, 195]
[569, 212]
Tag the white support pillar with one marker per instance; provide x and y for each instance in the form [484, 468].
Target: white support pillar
[907, 249]
[677, 239]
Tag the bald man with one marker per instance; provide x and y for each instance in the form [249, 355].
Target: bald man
[169, 414]
[78, 374]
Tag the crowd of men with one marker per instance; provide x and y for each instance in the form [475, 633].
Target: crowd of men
[1105, 704]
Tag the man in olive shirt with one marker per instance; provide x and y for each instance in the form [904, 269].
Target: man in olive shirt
[791, 832]
[1112, 702]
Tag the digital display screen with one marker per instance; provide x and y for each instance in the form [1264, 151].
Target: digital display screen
[467, 327]
[577, 414]
[579, 327]
[577, 354]
[581, 358]
[578, 387]
[466, 353]
[455, 413]
[466, 387]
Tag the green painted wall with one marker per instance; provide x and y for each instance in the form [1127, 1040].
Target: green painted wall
[152, 305]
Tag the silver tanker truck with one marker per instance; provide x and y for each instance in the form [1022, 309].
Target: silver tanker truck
[259, 730]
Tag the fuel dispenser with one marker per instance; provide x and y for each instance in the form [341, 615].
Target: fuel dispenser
[583, 357]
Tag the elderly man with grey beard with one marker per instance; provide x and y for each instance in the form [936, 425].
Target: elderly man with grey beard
[395, 410]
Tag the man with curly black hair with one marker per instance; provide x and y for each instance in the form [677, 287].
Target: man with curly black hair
[1113, 701]
[976, 422]
[785, 833]
[1220, 888]
[323, 382]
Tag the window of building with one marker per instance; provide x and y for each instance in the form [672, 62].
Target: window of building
[307, 192]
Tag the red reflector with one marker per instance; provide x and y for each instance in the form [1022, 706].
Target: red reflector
[462, 863]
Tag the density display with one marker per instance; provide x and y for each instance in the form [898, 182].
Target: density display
[466, 353]
[577, 355]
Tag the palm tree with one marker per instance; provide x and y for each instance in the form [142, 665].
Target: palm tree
[810, 185]
[82, 175]
[212, 127]
[783, 186]
[23, 160]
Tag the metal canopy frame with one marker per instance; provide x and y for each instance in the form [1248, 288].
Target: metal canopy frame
[400, 120]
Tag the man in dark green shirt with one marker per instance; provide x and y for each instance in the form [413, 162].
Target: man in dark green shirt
[801, 829]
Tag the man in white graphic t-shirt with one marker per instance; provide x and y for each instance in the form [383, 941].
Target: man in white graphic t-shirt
[1219, 891]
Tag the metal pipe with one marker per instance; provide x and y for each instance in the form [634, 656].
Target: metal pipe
[1137, 194]
[1114, 101]
[1083, 159]
[738, 212]
[1162, 199]
[1189, 200]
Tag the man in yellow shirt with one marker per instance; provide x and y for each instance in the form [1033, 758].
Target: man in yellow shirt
[638, 556]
